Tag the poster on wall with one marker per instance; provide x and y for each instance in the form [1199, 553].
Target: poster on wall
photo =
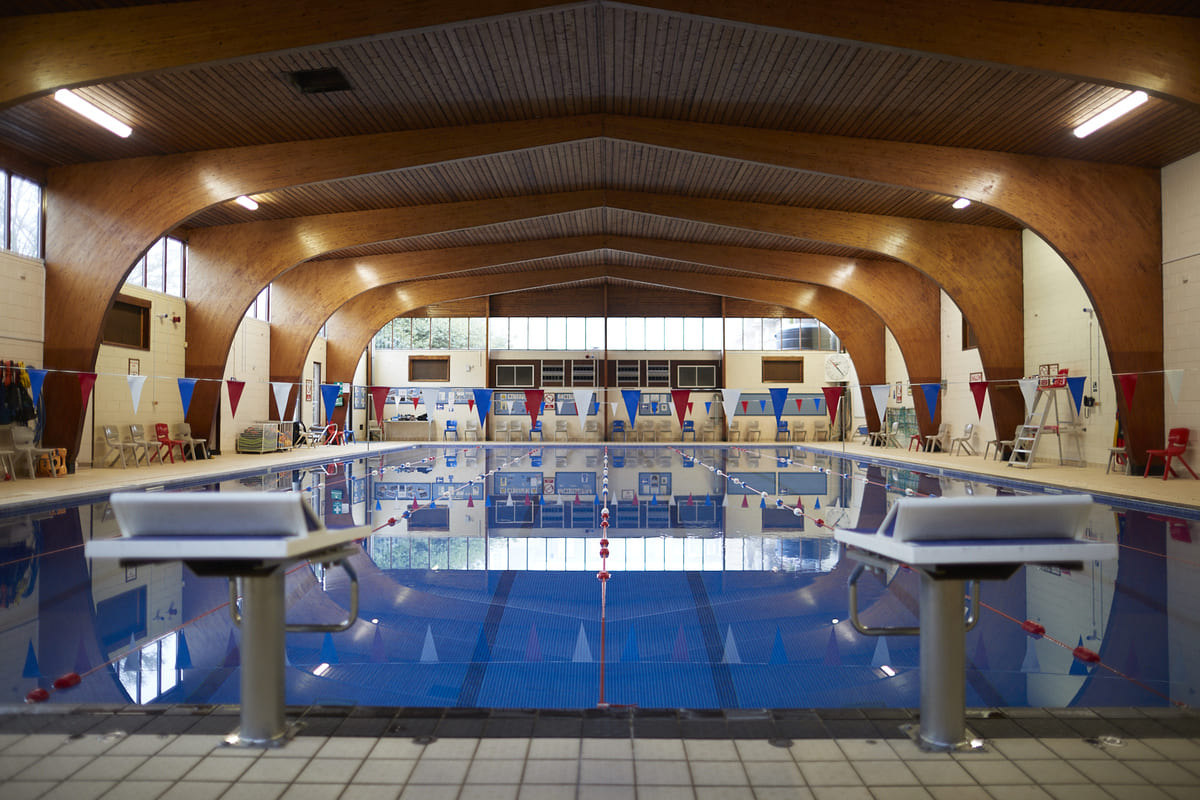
[360, 398]
[308, 391]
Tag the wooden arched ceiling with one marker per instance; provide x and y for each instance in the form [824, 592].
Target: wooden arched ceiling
[659, 118]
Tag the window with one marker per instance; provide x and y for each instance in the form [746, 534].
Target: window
[261, 307]
[128, 323]
[429, 368]
[510, 376]
[969, 341]
[696, 376]
[162, 268]
[783, 370]
[420, 333]
[25, 217]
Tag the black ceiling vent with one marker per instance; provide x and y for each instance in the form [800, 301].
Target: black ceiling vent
[319, 81]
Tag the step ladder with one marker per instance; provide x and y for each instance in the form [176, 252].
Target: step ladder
[1029, 437]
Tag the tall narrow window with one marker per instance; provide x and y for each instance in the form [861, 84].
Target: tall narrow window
[25, 218]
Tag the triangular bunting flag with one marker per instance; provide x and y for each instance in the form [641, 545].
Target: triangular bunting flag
[833, 396]
[183, 656]
[1075, 384]
[879, 393]
[328, 651]
[1078, 667]
[1173, 377]
[429, 654]
[778, 653]
[654, 407]
[378, 650]
[833, 656]
[730, 401]
[778, 398]
[235, 389]
[680, 398]
[583, 653]
[799, 405]
[731, 655]
[979, 392]
[931, 391]
[37, 377]
[186, 387]
[136, 383]
[633, 399]
[745, 406]
[533, 403]
[329, 395]
[745, 501]
[762, 405]
[1128, 384]
[86, 381]
[817, 404]
[379, 396]
[31, 669]
[583, 404]
[1029, 391]
[470, 404]
[281, 391]
[708, 406]
[483, 403]
[882, 655]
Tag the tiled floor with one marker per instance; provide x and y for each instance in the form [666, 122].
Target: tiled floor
[126, 753]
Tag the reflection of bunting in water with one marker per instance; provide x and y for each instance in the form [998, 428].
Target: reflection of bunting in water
[583, 653]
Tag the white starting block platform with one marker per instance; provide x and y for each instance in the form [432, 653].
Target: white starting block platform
[984, 532]
[949, 541]
[250, 536]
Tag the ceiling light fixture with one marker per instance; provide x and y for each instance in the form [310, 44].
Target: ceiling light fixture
[1112, 113]
[96, 115]
[246, 203]
[961, 203]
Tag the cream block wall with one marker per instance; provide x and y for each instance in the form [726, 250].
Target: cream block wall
[957, 402]
[250, 361]
[316, 355]
[22, 309]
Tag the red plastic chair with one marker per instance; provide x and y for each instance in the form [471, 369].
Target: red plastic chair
[332, 434]
[163, 434]
[1177, 442]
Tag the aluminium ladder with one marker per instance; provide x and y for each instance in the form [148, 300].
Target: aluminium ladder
[1029, 437]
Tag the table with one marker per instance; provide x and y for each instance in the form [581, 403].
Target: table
[407, 430]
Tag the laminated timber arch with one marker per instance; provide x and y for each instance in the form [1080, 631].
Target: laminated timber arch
[106, 214]
[1156, 53]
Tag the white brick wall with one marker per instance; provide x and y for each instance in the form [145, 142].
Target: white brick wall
[250, 361]
[957, 403]
[1181, 293]
[22, 309]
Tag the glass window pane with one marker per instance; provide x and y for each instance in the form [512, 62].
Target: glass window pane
[595, 333]
[155, 266]
[714, 333]
[518, 333]
[655, 333]
[537, 333]
[635, 333]
[420, 333]
[752, 333]
[673, 334]
[477, 333]
[616, 333]
[808, 334]
[770, 333]
[576, 333]
[789, 335]
[3, 205]
[575, 557]
[175, 267]
[402, 333]
[556, 333]
[712, 554]
[733, 334]
[673, 555]
[25, 217]
[458, 333]
[383, 339]
[439, 333]
[693, 333]
[733, 554]
[498, 333]
[137, 276]
[518, 547]
[654, 555]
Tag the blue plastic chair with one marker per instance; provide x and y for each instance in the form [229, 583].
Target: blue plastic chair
[537, 428]
[619, 427]
[781, 429]
[688, 427]
[451, 427]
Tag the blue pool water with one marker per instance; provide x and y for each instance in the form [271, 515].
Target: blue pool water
[486, 594]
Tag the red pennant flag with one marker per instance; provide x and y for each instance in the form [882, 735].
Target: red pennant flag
[577, 498]
[470, 404]
[680, 398]
[800, 404]
[979, 389]
[235, 394]
[416, 399]
[690, 407]
[691, 502]
[635, 499]
[528, 500]
[533, 403]
[86, 381]
[470, 502]
[379, 398]
[833, 396]
[745, 406]
[1128, 383]
[745, 501]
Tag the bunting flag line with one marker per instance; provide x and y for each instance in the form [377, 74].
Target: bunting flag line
[186, 387]
[235, 389]
[633, 399]
[778, 398]
[86, 381]
[680, 398]
[136, 383]
[879, 393]
[281, 391]
[37, 378]
[1029, 390]
[583, 403]
[979, 390]
[730, 401]
[329, 395]
[1128, 384]
[533, 403]
[931, 391]
[1075, 383]
[483, 403]
[379, 396]
[833, 396]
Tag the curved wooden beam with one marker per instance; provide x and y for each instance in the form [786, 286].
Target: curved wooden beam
[1157, 53]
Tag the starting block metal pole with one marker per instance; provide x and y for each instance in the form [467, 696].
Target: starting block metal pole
[262, 681]
[943, 663]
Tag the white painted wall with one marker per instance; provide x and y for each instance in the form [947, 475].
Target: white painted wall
[22, 309]
[250, 361]
[957, 402]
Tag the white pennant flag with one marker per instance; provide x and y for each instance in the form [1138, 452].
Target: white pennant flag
[614, 408]
[583, 404]
[136, 382]
[1174, 378]
[729, 399]
[427, 396]
[880, 393]
[1029, 389]
[281, 390]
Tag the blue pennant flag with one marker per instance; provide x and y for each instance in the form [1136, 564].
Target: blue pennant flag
[778, 398]
[183, 656]
[36, 378]
[186, 387]
[817, 404]
[329, 396]
[31, 669]
[708, 406]
[762, 405]
[1075, 384]
[931, 391]
[633, 399]
[483, 403]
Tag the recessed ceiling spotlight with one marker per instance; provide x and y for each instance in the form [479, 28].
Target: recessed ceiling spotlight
[1112, 113]
[246, 203]
[961, 203]
[96, 115]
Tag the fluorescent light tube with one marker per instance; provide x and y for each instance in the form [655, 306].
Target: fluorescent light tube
[961, 203]
[246, 203]
[1113, 112]
[86, 109]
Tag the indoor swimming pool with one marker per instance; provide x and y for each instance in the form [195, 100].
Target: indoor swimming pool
[479, 589]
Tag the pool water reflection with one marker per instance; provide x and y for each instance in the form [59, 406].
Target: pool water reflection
[479, 588]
